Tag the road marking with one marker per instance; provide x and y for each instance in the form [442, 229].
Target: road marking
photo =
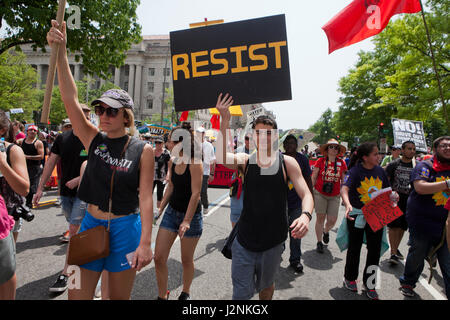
[221, 201]
[436, 295]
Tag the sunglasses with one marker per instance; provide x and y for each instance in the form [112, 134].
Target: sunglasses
[333, 147]
[110, 112]
[158, 142]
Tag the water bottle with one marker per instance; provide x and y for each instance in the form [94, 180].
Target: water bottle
[394, 199]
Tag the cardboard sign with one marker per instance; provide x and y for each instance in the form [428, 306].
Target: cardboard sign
[222, 176]
[408, 130]
[379, 211]
[248, 59]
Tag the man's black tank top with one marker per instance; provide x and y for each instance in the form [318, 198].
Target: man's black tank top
[182, 192]
[264, 219]
[29, 149]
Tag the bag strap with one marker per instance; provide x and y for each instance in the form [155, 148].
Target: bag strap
[112, 182]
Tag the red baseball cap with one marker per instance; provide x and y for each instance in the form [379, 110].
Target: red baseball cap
[33, 127]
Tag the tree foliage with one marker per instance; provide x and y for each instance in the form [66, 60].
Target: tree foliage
[107, 29]
[396, 79]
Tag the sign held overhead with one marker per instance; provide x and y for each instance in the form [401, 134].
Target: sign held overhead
[248, 59]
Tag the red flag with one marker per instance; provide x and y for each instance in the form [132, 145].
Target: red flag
[215, 122]
[184, 116]
[362, 19]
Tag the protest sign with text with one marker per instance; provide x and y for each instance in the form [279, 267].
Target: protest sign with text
[379, 211]
[248, 59]
[408, 130]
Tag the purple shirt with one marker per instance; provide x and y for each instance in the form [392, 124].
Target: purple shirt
[363, 182]
[426, 212]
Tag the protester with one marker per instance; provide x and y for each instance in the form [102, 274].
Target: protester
[236, 189]
[209, 166]
[162, 158]
[294, 202]
[131, 201]
[70, 151]
[14, 184]
[263, 225]
[399, 172]
[43, 138]
[33, 149]
[363, 179]
[426, 216]
[395, 154]
[327, 175]
[183, 216]
[19, 129]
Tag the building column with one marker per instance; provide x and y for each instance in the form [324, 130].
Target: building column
[117, 77]
[137, 87]
[131, 80]
[102, 82]
[76, 72]
[39, 73]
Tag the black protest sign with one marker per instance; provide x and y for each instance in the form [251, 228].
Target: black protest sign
[248, 59]
[408, 130]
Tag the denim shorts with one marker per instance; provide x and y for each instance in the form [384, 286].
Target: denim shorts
[252, 272]
[236, 207]
[172, 220]
[124, 238]
[7, 258]
[73, 209]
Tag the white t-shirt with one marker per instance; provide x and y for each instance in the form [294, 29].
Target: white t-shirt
[208, 157]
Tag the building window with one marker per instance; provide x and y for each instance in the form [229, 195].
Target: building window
[150, 104]
[150, 86]
[125, 86]
[151, 72]
[127, 71]
[166, 85]
[167, 72]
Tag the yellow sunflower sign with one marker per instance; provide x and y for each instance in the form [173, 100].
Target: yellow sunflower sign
[369, 186]
[441, 197]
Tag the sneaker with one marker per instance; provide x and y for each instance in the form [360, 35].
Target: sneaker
[184, 296]
[297, 266]
[319, 247]
[394, 259]
[407, 291]
[60, 285]
[326, 237]
[371, 293]
[399, 255]
[65, 237]
[168, 293]
[350, 285]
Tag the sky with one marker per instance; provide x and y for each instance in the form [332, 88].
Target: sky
[314, 73]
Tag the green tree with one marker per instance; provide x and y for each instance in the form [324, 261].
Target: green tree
[17, 85]
[107, 30]
[323, 128]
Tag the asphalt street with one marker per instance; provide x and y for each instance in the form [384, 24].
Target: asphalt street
[41, 255]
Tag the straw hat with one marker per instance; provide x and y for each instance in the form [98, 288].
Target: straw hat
[324, 147]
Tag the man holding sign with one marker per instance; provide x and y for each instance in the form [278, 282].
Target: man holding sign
[426, 216]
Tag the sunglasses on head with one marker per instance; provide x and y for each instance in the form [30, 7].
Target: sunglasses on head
[110, 112]
[333, 147]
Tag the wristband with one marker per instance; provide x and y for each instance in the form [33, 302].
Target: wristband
[308, 215]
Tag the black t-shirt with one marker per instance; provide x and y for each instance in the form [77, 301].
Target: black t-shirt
[399, 174]
[72, 154]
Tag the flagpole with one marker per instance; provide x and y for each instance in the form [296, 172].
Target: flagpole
[435, 68]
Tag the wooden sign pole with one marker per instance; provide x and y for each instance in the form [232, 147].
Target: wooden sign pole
[52, 66]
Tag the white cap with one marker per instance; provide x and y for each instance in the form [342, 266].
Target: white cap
[200, 129]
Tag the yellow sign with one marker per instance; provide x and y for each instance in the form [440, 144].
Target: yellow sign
[204, 23]
[234, 110]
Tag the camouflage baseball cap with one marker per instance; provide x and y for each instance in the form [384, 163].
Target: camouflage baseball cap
[115, 98]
